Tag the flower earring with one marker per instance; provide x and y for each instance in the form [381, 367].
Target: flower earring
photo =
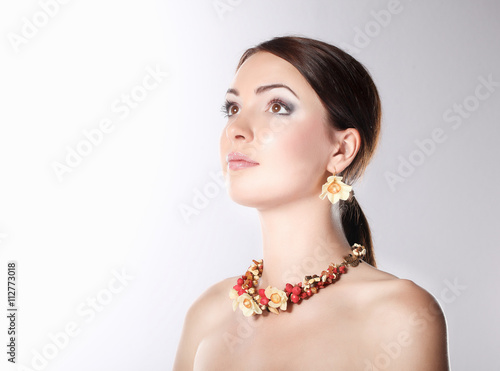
[335, 189]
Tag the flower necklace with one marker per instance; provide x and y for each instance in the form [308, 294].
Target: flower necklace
[253, 301]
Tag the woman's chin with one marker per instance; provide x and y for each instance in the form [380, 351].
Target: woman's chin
[257, 200]
[245, 200]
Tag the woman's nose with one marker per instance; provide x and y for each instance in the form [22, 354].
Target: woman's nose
[240, 129]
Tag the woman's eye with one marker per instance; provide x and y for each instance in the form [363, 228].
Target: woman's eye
[229, 108]
[279, 108]
[232, 109]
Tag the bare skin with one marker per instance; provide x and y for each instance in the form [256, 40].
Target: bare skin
[369, 319]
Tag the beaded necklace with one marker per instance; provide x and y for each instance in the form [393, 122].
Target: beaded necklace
[252, 300]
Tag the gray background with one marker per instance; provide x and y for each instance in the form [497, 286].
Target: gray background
[120, 208]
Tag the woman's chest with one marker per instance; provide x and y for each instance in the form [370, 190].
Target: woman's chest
[280, 344]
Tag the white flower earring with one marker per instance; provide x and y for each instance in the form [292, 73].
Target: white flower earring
[335, 189]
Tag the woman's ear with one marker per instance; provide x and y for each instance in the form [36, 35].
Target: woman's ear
[345, 146]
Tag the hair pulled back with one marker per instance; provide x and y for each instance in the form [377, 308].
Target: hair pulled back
[351, 100]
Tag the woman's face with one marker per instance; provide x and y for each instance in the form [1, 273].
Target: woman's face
[281, 128]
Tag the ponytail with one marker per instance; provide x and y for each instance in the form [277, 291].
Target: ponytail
[356, 228]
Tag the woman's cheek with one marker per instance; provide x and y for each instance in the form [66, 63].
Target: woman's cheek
[279, 124]
[304, 142]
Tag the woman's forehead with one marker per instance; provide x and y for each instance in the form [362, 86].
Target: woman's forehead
[263, 68]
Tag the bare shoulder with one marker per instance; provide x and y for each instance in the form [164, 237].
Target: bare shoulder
[209, 304]
[402, 318]
[210, 299]
[400, 294]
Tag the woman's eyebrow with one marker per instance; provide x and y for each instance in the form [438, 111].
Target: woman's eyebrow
[263, 88]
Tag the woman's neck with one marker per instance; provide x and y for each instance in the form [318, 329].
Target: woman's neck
[300, 238]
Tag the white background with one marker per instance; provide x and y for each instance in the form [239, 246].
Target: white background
[119, 209]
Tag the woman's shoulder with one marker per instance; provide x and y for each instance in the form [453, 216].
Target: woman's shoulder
[210, 304]
[384, 289]
[210, 300]
[384, 293]
[398, 314]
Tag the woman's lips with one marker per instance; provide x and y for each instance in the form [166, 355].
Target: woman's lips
[240, 164]
[238, 160]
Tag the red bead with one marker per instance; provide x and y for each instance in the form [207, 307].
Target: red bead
[288, 288]
[309, 292]
[295, 298]
[241, 292]
[303, 295]
[262, 292]
[237, 287]
[334, 270]
[296, 290]
[342, 269]
[240, 281]
[264, 300]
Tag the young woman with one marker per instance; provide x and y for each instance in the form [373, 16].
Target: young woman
[303, 122]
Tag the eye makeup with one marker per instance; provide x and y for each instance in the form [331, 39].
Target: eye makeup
[226, 106]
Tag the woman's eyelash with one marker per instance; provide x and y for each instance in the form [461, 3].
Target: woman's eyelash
[227, 105]
[286, 106]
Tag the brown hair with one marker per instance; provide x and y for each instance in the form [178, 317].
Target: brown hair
[351, 100]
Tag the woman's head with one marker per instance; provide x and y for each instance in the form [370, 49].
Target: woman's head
[326, 119]
[276, 119]
[343, 85]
